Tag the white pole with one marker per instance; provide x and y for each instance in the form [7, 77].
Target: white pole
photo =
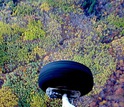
[65, 101]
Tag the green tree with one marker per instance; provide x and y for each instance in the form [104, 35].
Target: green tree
[117, 21]
[95, 56]
[34, 30]
[23, 82]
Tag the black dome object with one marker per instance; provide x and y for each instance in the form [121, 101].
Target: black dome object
[69, 74]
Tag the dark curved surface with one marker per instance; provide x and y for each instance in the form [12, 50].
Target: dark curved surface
[73, 75]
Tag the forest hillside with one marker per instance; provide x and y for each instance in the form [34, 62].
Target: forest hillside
[36, 32]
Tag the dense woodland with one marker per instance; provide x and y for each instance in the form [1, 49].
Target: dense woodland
[36, 32]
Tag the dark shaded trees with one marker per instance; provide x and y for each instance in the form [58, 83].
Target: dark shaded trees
[15, 2]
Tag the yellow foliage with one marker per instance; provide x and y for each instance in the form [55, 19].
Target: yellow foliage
[5, 29]
[17, 29]
[1, 39]
[7, 98]
[39, 51]
[45, 7]
[103, 102]
[118, 44]
[33, 30]
[0, 70]
[37, 101]
[23, 68]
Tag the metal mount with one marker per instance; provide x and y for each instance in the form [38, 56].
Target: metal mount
[66, 95]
